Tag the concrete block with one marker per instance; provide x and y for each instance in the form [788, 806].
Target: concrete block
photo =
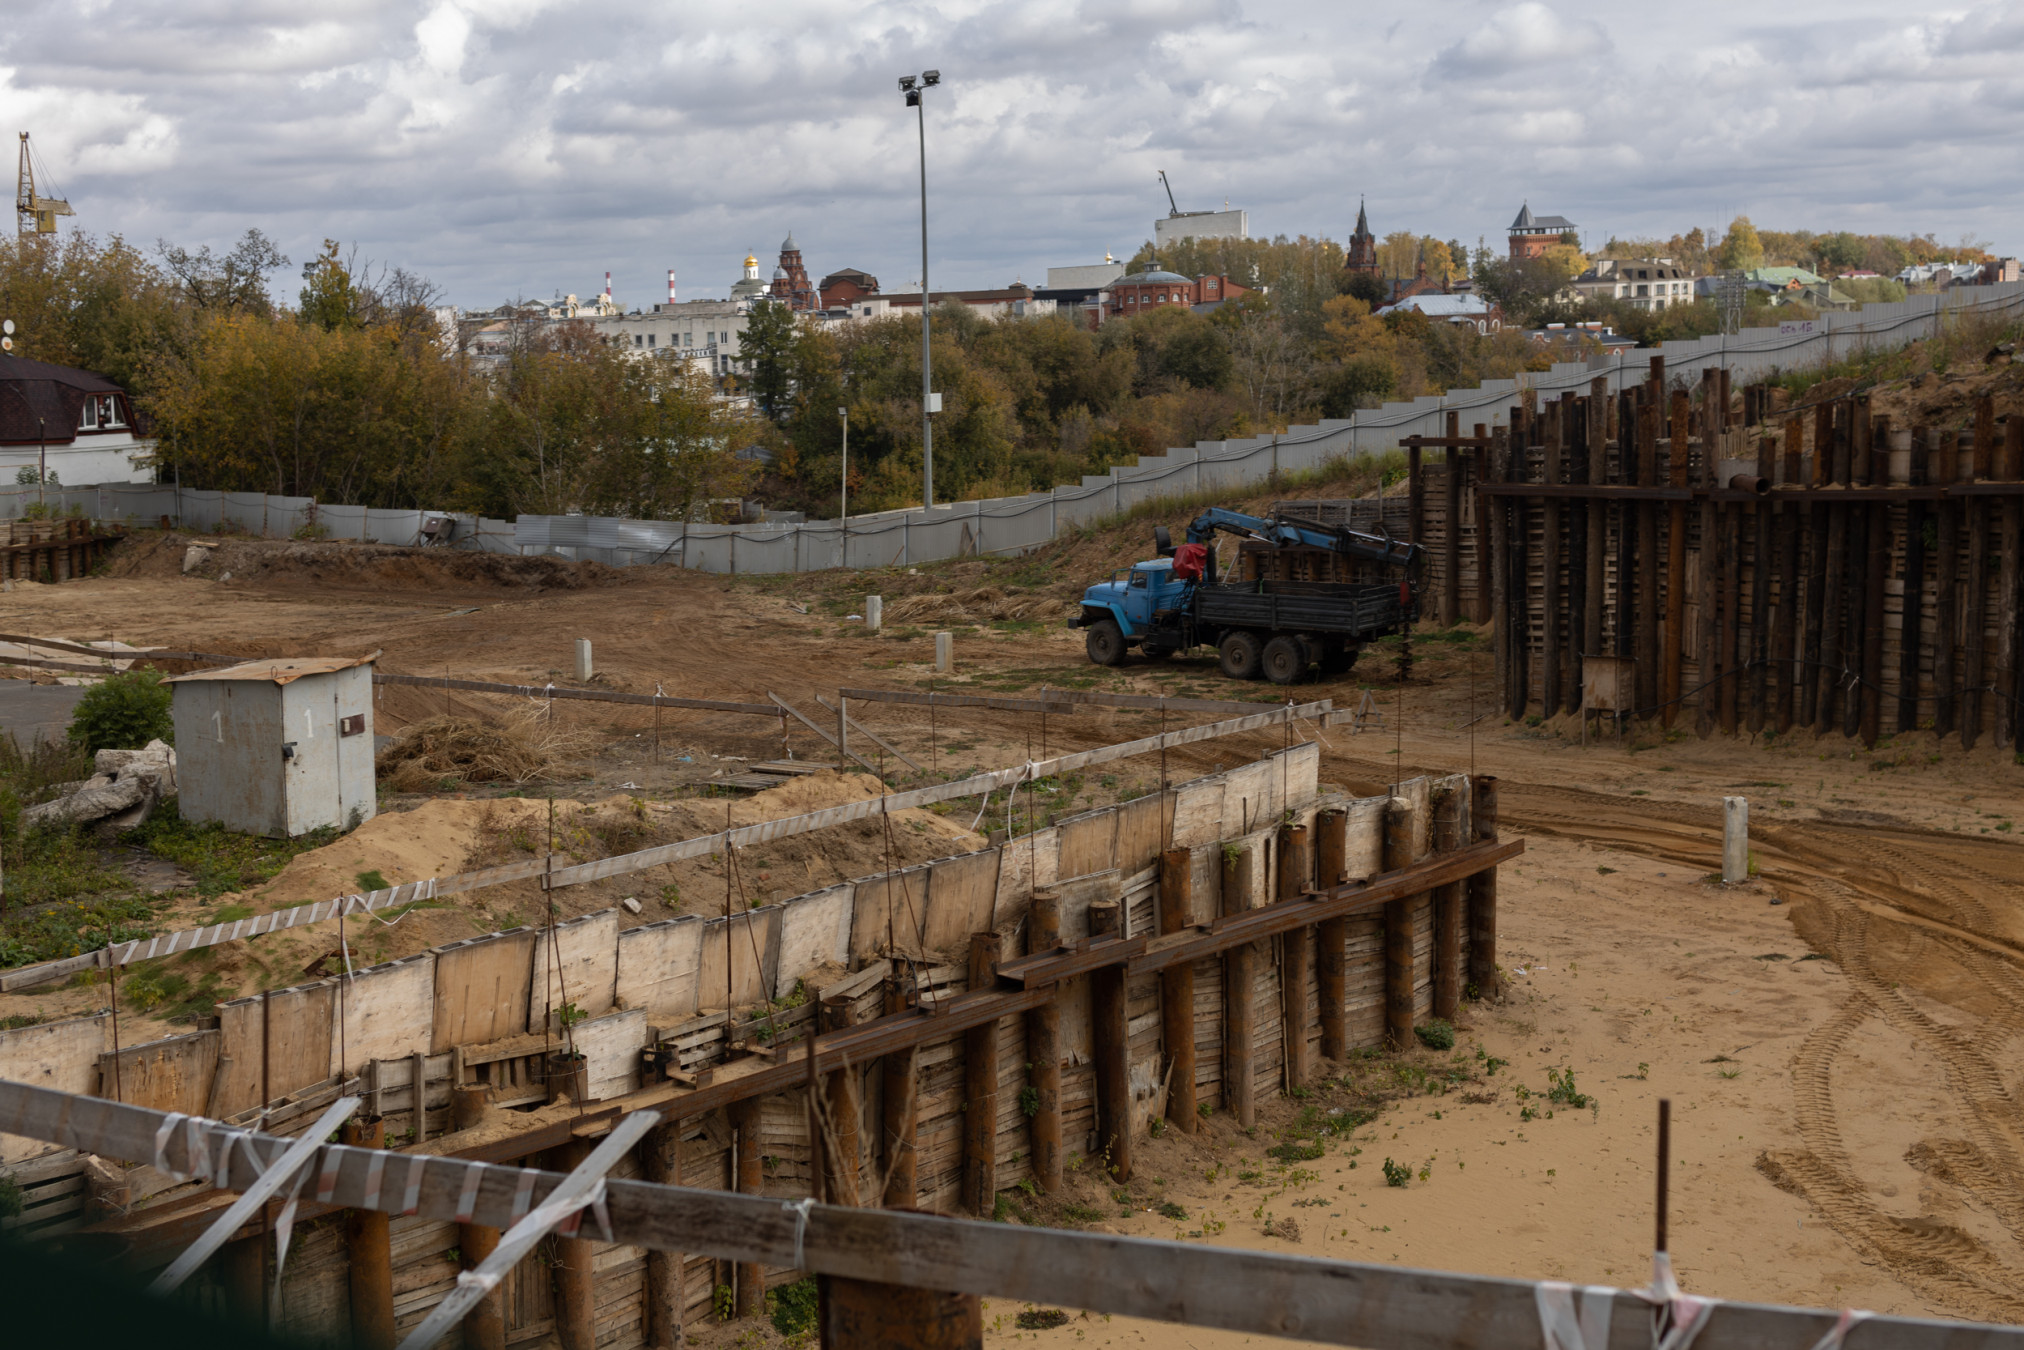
[945, 653]
[583, 667]
[874, 613]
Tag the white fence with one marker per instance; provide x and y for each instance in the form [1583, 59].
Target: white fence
[1001, 525]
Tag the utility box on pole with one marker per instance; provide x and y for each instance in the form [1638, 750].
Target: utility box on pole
[277, 748]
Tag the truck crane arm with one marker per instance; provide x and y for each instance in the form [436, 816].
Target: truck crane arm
[1287, 531]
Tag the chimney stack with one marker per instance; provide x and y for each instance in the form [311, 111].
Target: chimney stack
[607, 287]
[671, 285]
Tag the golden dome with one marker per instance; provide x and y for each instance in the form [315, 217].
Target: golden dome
[751, 260]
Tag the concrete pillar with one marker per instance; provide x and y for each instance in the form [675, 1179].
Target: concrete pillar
[874, 613]
[583, 668]
[945, 653]
[1735, 839]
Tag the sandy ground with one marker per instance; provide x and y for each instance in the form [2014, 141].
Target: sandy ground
[1847, 1126]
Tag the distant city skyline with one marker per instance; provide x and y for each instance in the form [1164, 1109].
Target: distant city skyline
[520, 148]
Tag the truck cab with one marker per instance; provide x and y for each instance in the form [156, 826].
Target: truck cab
[1138, 606]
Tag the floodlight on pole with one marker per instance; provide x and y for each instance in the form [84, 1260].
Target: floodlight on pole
[914, 89]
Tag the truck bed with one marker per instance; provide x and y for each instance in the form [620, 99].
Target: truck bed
[1302, 607]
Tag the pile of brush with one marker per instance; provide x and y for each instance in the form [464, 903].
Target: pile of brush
[443, 753]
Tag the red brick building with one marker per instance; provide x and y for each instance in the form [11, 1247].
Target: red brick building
[1362, 255]
[1143, 292]
[791, 286]
[1532, 235]
[841, 287]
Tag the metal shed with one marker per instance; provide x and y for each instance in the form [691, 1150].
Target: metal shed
[277, 748]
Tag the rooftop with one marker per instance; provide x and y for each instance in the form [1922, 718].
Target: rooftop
[276, 672]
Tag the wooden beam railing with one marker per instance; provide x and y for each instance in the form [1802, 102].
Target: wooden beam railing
[1197, 1284]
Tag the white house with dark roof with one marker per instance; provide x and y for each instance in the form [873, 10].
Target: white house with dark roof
[1642, 283]
[80, 426]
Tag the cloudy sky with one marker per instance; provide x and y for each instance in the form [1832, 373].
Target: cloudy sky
[521, 147]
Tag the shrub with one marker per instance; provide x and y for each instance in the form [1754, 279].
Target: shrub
[1396, 1174]
[1436, 1035]
[792, 1307]
[123, 712]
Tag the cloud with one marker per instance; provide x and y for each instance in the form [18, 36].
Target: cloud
[509, 147]
[1518, 40]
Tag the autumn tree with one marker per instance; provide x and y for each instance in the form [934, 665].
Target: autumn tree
[1740, 249]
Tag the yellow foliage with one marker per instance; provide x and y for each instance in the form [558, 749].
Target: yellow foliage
[1350, 330]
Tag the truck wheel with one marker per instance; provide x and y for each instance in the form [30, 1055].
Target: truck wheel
[1238, 654]
[1105, 643]
[1285, 660]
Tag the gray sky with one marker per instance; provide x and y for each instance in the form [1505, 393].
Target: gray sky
[521, 147]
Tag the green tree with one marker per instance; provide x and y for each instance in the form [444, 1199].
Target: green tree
[330, 299]
[768, 343]
[1741, 249]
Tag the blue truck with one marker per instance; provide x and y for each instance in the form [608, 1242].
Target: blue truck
[1280, 630]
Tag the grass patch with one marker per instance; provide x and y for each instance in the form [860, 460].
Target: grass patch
[217, 858]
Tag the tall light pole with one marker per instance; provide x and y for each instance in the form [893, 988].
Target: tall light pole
[843, 416]
[914, 90]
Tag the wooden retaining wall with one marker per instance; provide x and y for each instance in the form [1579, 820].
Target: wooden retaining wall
[1759, 570]
[405, 1034]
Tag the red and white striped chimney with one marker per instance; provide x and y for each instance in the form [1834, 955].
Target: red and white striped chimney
[607, 286]
[671, 285]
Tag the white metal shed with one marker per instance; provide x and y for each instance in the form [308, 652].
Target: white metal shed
[277, 748]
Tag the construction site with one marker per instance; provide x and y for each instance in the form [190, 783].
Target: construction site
[671, 939]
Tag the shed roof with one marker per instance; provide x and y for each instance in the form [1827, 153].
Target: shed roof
[283, 671]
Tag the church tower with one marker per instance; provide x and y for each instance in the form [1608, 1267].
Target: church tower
[796, 293]
[1362, 247]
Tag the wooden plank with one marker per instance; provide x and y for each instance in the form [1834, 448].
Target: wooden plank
[1974, 612]
[1731, 562]
[536, 691]
[1550, 629]
[799, 716]
[1649, 677]
[2010, 465]
[1451, 528]
[872, 736]
[1945, 465]
[482, 989]
[1878, 568]
[1790, 526]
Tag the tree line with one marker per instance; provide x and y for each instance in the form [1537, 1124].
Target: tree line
[357, 394]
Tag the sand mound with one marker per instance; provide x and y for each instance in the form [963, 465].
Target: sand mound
[346, 565]
[815, 792]
[436, 839]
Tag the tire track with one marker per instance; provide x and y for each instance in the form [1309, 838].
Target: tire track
[1864, 882]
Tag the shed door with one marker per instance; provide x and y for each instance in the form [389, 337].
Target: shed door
[311, 722]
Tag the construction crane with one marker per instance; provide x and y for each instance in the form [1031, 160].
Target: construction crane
[35, 214]
[1174, 207]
